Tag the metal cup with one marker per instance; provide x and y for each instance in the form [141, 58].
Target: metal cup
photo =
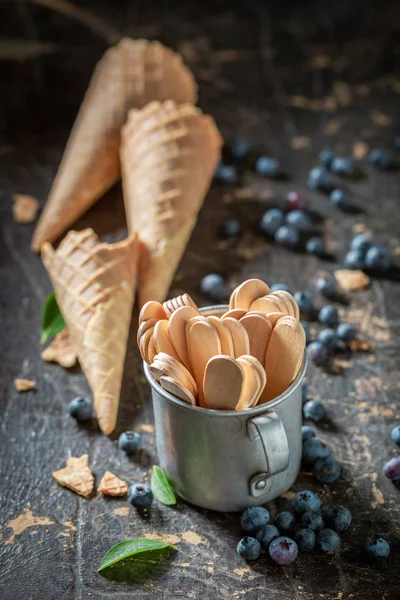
[227, 460]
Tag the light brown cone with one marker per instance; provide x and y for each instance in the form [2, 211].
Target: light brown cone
[95, 285]
[131, 74]
[168, 158]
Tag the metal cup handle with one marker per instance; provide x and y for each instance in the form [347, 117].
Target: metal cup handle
[269, 429]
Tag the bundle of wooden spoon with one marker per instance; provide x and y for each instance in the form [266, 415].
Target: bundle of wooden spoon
[246, 356]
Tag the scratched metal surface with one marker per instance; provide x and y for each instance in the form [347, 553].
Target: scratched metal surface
[274, 76]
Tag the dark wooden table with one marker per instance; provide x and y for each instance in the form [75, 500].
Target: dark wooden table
[292, 79]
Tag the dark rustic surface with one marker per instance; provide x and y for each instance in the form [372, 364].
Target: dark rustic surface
[300, 74]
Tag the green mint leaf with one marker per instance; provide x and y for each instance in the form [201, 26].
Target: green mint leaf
[52, 319]
[161, 488]
[132, 560]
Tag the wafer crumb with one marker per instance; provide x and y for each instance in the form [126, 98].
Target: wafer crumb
[24, 385]
[360, 346]
[60, 350]
[25, 208]
[76, 476]
[111, 485]
[350, 280]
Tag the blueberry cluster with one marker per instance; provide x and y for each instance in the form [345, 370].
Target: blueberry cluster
[235, 155]
[392, 468]
[316, 454]
[293, 532]
[364, 254]
[287, 228]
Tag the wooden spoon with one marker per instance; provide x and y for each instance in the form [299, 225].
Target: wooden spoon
[260, 370]
[144, 326]
[232, 299]
[177, 330]
[259, 329]
[234, 313]
[249, 291]
[162, 339]
[203, 343]
[251, 388]
[144, 343]
[285, 300]
[284, 356]
[266, 305]
[224, 335]
[240, 339]
[163, 364]
[223, 382]
[176, 388]
[152, 310]
[274, 317]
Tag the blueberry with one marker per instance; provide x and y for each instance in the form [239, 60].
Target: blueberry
[312, 520]
[313, 449]
[346, 332]
[395, 435]
[231, 228]
[328, 315]
[355, 259]
[285, 522]
[276, 287]
[377, 547]
[295, 201]
[361, 242]
[343, 166]
[339, 198]
[381, 159]
[271, 221]
[315, 246]
[287, 236]
[328, 337]
[240, 148]
[140, 495]
[392, 468]
[305, 301]
[327, 470]
[328, 540]
[249, 548]
[326, 286]
[305, 501]
[226, 174]
[320, 179]
[214, 287]
[81, 409]
[378, 258]
[307, 331]
[130, 442]
[326, 157]
[299, 219]
[268, 167]
[305, 540]
[266, 535]
[307, 432]
[314, 410]
[254, 518]
[318, 353]
[337, 517]
[304, 393]
[283, 550]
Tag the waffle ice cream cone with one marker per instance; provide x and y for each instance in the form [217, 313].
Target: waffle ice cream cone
[168, 157]
[95, 286]
[131, 74]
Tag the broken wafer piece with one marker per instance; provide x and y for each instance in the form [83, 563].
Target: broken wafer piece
[24, 385]
[352, 280]
[61, 350]
[76, 476]
[25, 208]
[111, 485]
